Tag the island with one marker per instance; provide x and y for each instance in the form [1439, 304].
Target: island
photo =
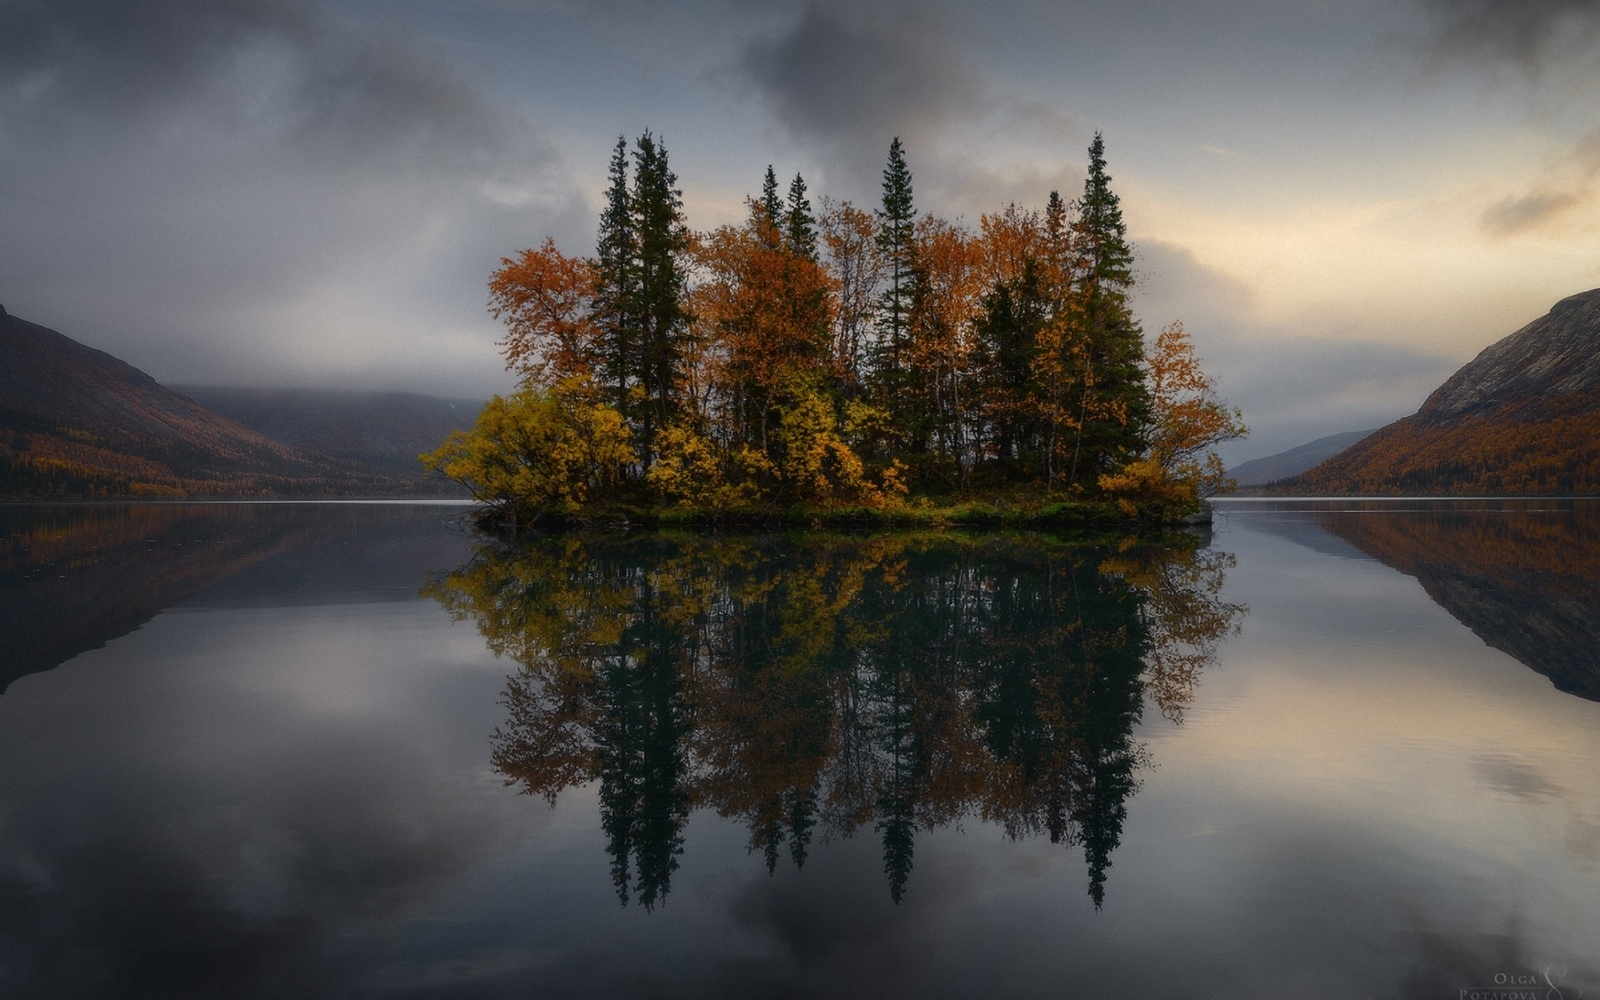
[829, 364]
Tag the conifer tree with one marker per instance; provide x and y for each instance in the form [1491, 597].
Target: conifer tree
[1006, 336]
[771, 208]
[1058, 248]
[800, 224]
[657, 302]
[1110, 259]
[1113, 403]
[897, 244]
[615, 250]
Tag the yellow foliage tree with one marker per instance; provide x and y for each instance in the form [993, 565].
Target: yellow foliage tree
[552, 449]
[817, 465]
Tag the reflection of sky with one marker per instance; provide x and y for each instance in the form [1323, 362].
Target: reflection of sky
[1364, 800]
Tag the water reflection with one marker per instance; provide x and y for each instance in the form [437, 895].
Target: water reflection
[1524, 576]
[73, 577]
[816, 687]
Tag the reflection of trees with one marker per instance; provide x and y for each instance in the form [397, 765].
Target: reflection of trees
[816, 687]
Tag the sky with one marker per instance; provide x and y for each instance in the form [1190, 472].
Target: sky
[1343, 201]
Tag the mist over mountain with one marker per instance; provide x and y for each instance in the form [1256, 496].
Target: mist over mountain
[382, 429]
[1523, 417]
[76, 422]
[1284, 464]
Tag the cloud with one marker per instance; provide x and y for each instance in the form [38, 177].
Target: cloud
[1567, 184]
[1531, 35]
[1519, 213]
[860, 73]
[1294, 385]
[287, 65]
[262, 190]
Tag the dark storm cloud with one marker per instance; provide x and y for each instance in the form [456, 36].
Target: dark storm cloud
[264, 191]
[1528, 33]
[282, 65]
[844, 72]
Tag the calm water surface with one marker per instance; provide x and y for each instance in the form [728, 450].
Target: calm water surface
[1328, 750]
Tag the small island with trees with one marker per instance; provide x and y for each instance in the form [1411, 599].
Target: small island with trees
[831, 364]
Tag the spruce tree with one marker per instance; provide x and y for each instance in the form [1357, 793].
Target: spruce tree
[799, 223]
[897, 242]
[771, 207]
[1007, 336]
[615, 250]
[659, 287]
[1105, 235]
[1113, 402]
[1058, 247]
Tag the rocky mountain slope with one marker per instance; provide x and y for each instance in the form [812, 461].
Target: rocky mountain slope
[1522, 418]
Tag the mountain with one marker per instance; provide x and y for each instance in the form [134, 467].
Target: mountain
[1260, 471]
[1522, 418]
[77, 422]
[383, 430]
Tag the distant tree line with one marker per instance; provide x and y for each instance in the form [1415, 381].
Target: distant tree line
[831, 356]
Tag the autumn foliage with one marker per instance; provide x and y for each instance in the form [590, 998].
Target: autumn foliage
[835, 357]
[1484, 454]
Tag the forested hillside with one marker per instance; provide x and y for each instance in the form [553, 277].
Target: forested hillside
[1522, 418]
[78, 423]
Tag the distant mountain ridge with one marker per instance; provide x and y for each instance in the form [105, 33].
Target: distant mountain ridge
[381, 429]
[76, 422]
[1522, 418]
[1284, 464]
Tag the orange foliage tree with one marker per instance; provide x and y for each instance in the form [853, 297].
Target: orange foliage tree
[1187, 422]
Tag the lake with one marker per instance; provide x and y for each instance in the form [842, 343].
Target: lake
[1326, 749]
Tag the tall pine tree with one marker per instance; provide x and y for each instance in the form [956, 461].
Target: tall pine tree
[658, 292]
[1006, 337]
[615, 252]
[799, 223]
[1113, 404]
[771, 209]
[897, 221]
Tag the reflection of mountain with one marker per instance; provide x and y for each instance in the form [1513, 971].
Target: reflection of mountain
[1526, 582]
[814, 688]
[72, 578]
